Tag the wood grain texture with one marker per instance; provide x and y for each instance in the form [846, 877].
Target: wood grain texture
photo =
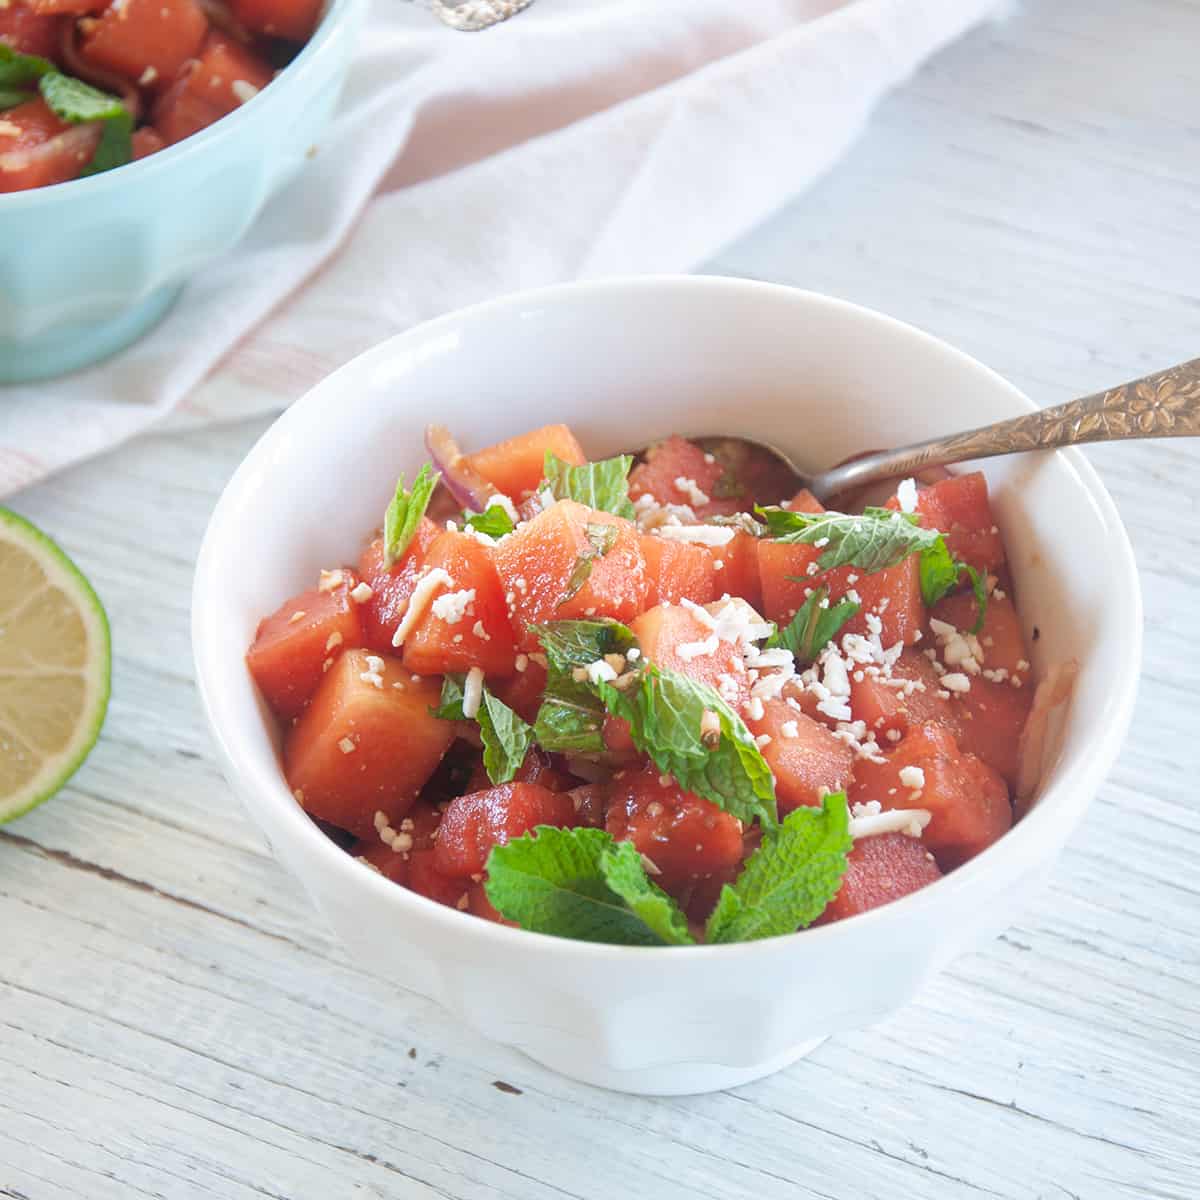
[175, 1022]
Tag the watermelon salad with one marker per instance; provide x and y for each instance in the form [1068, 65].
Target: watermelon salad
[652, 700]
[88, 85]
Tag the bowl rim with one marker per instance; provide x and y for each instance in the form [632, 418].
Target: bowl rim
[270, 801]
[88, 187]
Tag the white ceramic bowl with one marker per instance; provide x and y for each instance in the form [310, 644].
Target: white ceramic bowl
[624, 362]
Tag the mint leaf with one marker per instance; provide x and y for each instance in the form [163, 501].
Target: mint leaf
[451, 706]
[552, 881]
[813, 627]
[18, 71]
[571, 716]
[405, 511]
[494, 522]
[506, 738]
[571, 644]
[623, 871]
[11, 97]
[603, 485]
[115, 147]
[979, 587]
[939, 572]
[787, 882]
[77, 102]
[666, 714]
[876, 539]
[600, 539]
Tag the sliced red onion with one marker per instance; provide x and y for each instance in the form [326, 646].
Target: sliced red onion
[461, 479]
[107, 81]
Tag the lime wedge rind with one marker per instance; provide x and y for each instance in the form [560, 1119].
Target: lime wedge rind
[63, 574]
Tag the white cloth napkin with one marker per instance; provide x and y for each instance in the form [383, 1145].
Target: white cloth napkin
[580, 138]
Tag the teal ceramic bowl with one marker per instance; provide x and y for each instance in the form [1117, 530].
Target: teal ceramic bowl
[89, 265]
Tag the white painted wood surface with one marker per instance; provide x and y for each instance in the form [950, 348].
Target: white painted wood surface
[175, 1022]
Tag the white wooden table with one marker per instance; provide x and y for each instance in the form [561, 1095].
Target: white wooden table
[177, 1023]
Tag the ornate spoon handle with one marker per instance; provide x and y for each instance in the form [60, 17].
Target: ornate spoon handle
[1165, 404]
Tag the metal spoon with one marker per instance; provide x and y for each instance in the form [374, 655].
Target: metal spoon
[1165, 404]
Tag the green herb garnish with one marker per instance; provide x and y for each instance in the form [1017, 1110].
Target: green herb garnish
[877, 539]
[557, 881]
[602, 485]
[691, 734]
[494, 522]
[405, 511]
[787, 882]
[813, 627]
[571, 717]
[506, 738]
[76, 102]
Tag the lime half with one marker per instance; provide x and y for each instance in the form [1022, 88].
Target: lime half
[55, 666]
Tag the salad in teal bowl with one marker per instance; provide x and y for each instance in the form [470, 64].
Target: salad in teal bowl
[139, 139]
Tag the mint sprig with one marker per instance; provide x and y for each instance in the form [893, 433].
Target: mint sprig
[506, 738]
[21, 71]
[787, 882]
[77, 102]
[571, 716]
[625, 873]
[813, 627]
[666, 712]
[876, 539]
[556, 881]
[493, 522]
[405, 511]
[602, 485]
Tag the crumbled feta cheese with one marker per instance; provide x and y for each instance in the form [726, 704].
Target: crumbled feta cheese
[472, 693]
[500, 500]
[521, 663]
[427, 585]
[912, 777]
[362, 593]
[482, 634]
[906, 494]
[689, 650]
[599, 671]
[688, 487]
[956, 682]
[754, 709]
[329, 580]
[452, 606]
[333, 641]
[374, 672]
[703, 535]
[790, 729]
[909, 821]
[346, 746]
[763, 740]
[298, 615]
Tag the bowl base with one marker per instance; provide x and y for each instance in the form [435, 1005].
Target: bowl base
[675, 1079]
[60, 350]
